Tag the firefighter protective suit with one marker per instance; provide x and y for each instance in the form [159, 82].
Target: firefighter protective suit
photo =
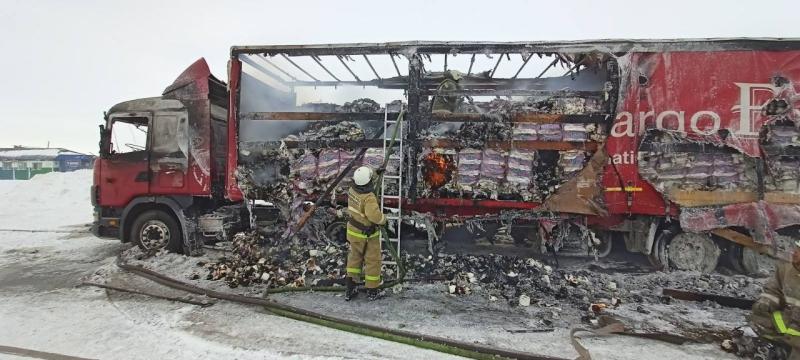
[364, 235]
[776, 314]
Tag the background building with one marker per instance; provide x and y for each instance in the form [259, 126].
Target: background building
[22, 163]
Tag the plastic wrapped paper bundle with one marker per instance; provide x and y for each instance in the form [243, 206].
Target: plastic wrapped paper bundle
[469, 168]
[785, 173]
[550, 132]
[571, 161]
[493, 165]
[526, 131]
[698, 177]
[727, 176]
[575, 132]
[648, 161]
[373, 158]
[519, 176]
[345, 157]
[328, 164]
[303, 171]
[493, 171]
[785, 135]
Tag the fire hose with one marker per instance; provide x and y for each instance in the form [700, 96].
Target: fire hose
[608, 325]
[423, 341]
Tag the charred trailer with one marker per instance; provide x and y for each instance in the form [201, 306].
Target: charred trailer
[683, 150]
[545, 146]
[504, 139]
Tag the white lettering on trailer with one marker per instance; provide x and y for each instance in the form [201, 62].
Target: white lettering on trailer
[746, 96]
[748, 105]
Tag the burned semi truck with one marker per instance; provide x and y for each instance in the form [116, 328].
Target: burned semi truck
[683, 150]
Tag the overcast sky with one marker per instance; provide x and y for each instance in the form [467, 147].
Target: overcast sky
[65, 62]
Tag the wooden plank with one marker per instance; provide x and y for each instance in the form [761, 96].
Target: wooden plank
[706, 198]
[782, 198]
[737, 237]
[740, 303]
[691, 198]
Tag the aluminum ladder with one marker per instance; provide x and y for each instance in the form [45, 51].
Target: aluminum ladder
[393, 212]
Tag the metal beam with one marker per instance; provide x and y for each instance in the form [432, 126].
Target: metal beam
[391, 56]
[413, 119]
[298, 67]
[583, 46]
[314, 116]
[518, 92]
[555, 61]
[317, 60]
[371, 67]
[255, 147]
[431, 83]
[471, 62]
[523, 66]
[348, 68]
[491, 74]
[435, 117]
[249, 61]
[278, 68]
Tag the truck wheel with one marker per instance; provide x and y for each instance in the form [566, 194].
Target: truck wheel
[734, 257]
[658, 255]
[337, 232]
[606, 243]
[693, 252]
[154, 230]
[759, 265]
[755, 264]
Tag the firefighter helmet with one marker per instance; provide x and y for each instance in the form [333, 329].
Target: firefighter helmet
[362, 176]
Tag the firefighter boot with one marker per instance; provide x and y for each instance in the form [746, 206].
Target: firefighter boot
[352, 290]
[374, 294]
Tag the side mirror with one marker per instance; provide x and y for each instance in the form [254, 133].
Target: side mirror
[105, 143]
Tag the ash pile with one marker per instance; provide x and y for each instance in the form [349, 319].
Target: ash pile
[527, 281]
[260, 260]
[268, 261]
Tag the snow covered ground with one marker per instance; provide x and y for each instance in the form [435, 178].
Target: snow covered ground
[42, 308]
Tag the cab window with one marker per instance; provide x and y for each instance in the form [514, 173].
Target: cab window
[129, 135]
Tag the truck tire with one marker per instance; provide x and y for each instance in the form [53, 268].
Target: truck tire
[154, 230]
[658, 254]
[693, 252]
[755, 264]
[337, 232]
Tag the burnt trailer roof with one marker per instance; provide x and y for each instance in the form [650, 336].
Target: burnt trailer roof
[578, 46]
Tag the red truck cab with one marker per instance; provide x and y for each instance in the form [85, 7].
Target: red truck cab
[162, 162]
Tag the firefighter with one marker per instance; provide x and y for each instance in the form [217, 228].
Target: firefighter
[364, 234]
[776, 314]
[448, 104]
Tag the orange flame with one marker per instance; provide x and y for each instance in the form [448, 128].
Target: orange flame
[437, 169]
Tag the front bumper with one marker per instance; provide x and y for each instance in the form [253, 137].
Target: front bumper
[104, 226]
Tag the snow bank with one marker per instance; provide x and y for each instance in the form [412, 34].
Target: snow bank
[50, 152]
[8, 185]
[47, 201]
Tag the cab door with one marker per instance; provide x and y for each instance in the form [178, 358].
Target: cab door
[169, 154]
[124, 172]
